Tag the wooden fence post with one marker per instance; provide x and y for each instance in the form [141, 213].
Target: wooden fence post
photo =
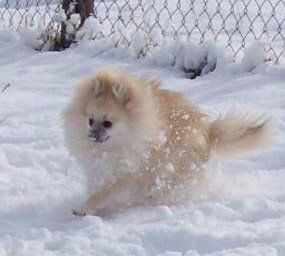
[84, 8]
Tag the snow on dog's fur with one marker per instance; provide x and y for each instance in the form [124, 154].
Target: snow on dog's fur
[141, 144]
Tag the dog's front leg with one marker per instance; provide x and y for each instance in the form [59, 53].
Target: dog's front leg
[96, 203]
[108, 196]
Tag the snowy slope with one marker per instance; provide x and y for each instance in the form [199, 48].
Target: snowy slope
[243, 213]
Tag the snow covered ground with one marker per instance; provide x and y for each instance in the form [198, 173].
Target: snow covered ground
[242, 214]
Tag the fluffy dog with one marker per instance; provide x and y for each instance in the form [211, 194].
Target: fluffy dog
[145, 145]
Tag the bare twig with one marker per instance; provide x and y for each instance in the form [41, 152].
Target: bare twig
[5, 87]
[2, 91]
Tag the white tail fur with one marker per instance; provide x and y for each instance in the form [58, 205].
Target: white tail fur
[235, 133]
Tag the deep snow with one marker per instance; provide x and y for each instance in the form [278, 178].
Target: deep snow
[242, 214]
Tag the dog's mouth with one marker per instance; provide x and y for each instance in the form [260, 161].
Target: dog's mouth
[100, 140]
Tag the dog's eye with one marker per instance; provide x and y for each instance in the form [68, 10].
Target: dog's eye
[107, 124]
[91, 121]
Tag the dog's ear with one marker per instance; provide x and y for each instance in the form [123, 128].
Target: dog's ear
[121, 92]
[98, 88]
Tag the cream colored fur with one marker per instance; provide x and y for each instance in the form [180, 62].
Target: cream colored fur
[158, 143]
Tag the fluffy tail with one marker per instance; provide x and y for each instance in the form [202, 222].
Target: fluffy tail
[235, 133]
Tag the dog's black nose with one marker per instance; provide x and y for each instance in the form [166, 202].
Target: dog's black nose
[93, 134]
[98, 135]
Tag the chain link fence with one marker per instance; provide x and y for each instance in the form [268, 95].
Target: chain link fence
[21, 14]
[233, 23]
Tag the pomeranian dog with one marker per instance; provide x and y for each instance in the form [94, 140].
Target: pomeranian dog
[141, 144]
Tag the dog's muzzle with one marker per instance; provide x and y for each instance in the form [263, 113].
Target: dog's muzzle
[97, 136]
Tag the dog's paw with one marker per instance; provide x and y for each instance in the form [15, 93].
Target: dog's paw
[85, 211]
[79, 213]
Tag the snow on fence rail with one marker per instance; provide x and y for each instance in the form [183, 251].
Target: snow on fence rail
[234, 23]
